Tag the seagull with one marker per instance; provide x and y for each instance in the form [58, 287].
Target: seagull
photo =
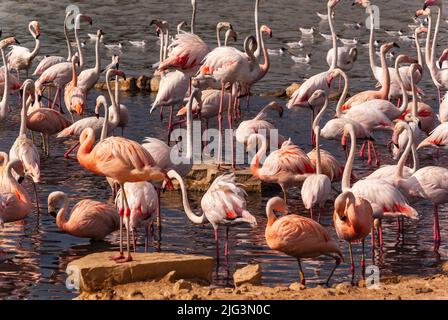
[307, 32]
[277, 52]
[295, 44]
[322, 16]
[394, 32]
[138, 43]
[298, 59]
[112, 47]
[348, 42]
[351, 25]
[93, 36]
[326, 36]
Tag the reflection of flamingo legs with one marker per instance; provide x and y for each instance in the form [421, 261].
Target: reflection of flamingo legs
[220, 126]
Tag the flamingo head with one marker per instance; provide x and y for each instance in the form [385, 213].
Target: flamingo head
[223, 24]
[79, 106]
[35, 25]
[8, 41]
[333, 74]
[54, 201]
[99, 33]
[402, 58]
[84, 18]
[443, 56]
[398, 129]
[386, 47]
[277, 204]
[343, 205]
[364, 3]
[232, 34]
[100, 102]
[421, 29]
[267, 30]
[422, 12]
[317, 99]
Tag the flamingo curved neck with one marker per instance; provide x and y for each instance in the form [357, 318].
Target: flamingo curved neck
[35, 51]
[86, 145]
[257, 28]
[97, 55]
[190, 214]
[104, 130]
[67, 40]
[404, 102]
[162, 45]
[115, 107]
[339, 112]
[373, 65]
[351, 158]
[436, 34]
[270, 214]
[61, 220]
[414, 94]
[24, 198]
[264, 68]
[5, 99]
[419, 49]
[405, 155]
[255, 163]
[385, 86]
[78, 43]
[334, 63]
[166, 42]
[320, 114]
[189, 155]
[24, 112]
[318, 158]
[193, 18]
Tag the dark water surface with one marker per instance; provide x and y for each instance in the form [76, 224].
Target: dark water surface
[34, 253]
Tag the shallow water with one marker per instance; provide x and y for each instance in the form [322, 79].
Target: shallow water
[34, 253]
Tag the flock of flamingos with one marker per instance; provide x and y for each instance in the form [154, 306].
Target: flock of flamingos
[200, 82]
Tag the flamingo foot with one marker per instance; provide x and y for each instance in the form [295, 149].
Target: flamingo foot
[117, 257]
[124, 260]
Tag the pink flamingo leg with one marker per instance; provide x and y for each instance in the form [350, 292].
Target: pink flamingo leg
[372, 234]
[248, 102]
[161, 113]
[363, 262]
[159, 221]
[170, 126]
[437, 236]
[217, 250]
[311, 214]
[380, 234]
[377, 158]
[37, 199]
[361, 151]
[302, 274]
[55, 98]
[229, 119]
[121, 212]
[369, 154]
[67, 154]
[352, 264]
[220, 126]
[226, 249]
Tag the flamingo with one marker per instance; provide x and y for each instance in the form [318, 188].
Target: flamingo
[187, 51]
[224, 204]
[49, 61]
[437, 139]
[16, 203]
[4, 103]
[317, 187]
[20, 58]
[96, 123]
[122, 160]
[429, 183]
[319, 81]
[89, 77]
[369, 118]
[383, 93]
[259, 125]
[298, 236]
[286, 166]
[88, 218]
[330, 166]
[143, 202]
[74, 96]
[385, 199]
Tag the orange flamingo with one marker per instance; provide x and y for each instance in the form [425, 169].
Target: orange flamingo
[122, 160]
[298, 236]
[88, 218]
[74, 96]
[286, 166]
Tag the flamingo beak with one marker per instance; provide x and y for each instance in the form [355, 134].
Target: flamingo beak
[20, 179]
[16, 41]
[52, 213]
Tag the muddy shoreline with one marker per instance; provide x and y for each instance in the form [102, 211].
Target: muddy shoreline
[391, 288]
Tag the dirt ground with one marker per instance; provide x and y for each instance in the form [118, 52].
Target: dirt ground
[416, 288]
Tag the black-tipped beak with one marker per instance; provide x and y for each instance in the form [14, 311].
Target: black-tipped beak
[97, 115]
[353, 4]
[37, 36]
[425, 6]
[39, 98]
[21, 92]
[419, 124]
[52, 213]
[281, 113]
[396, 45]
[20, 180]
[17, 41]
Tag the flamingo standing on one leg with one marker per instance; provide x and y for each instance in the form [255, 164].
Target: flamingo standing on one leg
[88, 218]
[298, 236]
[20, 58]
[224, 204]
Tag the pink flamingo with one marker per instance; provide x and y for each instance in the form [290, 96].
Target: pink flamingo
[298, 236]
[121, 160]
[20, 58]
[143, 202]
[74, 96]
[88, 218]
[89, 77]
[49, 61]
[4, 103]
[286, 166]
[96, 123]
[224, 204]
[16, 203]
[428, 183]
[385, 199]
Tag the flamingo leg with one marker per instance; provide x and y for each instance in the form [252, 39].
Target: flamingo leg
[352, 264]
[121, 212]
[284, 194]
[226, 249]
[248, 101]
[161, 113]
[60, 101]
[128, 215]
[302, 274]
[372, 234]
[159, 221]
[37, 199]
[319, 215]
[337, 263]
[55, 98]
[363, 261]
[311, 214]
[217, 250]
[369, 154]
[377, 158]
[170, 126]
[437, 237]
[134, 239]
[67, 154]
[220, 126]
[380, 234]
[229, 119]
[311, 130]
[361, 151]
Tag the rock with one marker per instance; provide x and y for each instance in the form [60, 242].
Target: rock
[445, 267]
[423, 290]
[155, 81]
[97, 271]
[182, 285]
[293, 87]
[130, 84]
[296, 286]
[248, 274]
[143, 83]
[344, 287]
[278, 93]
[170, 277]
[136, 294]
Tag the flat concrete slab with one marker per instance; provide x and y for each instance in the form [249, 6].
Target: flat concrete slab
[97, 271]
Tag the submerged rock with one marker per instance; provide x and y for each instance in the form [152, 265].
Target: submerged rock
[293, 87]
[249, 274]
